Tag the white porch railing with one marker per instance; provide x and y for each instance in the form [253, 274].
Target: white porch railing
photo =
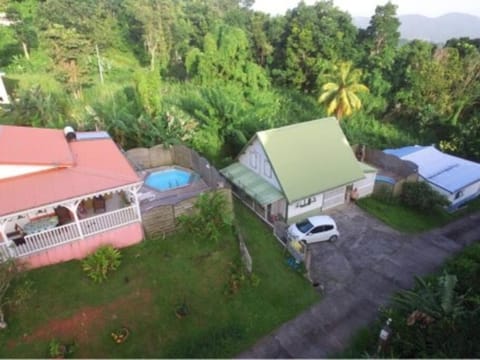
[4, 252]
[67, 233]
[47, 239]
[110, 220]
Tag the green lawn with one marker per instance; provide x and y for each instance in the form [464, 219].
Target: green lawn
[408, 220]
[154, 277]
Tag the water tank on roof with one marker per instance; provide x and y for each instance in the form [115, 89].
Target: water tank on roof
[69, 133]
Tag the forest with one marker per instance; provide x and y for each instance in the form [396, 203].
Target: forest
[210, 73]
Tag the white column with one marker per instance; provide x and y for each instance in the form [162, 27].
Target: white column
[73, 209]
[6, 240]
[133, 190]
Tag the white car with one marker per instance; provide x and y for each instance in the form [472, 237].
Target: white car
[314, 229]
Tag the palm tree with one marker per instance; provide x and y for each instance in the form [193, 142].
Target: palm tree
[339, 93]
[435, 299]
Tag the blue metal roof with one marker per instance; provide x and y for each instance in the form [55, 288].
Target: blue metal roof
[404, 151]
[446, 171]
[92, 135]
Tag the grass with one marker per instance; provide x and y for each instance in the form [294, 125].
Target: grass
[153, 279]
[408, 220]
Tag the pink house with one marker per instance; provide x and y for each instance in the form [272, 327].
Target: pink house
[63, 194]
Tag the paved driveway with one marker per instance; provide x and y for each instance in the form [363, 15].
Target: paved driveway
[358, 273]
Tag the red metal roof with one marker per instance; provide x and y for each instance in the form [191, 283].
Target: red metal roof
[98, 166]
[33, 146]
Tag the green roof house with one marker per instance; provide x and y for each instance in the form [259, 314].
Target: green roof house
[299, 170]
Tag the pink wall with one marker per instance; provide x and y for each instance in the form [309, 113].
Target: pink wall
[119, 238]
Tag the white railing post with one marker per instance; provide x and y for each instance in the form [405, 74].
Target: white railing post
[73, 209]
[134, 195]
[110, 220]
[70, 232]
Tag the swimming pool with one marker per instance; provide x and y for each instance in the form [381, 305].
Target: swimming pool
[386, 179]
[169, 179]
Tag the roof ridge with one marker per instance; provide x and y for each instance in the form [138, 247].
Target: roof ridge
[303, 123]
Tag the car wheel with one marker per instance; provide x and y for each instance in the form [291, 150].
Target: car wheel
[333, 238]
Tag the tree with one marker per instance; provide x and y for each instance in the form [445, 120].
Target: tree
[340, 90]
[225, 58]
[262, 47]
[154, 18]
[68, 48]
[382, 36]
[380, 42]
[313, 37]
[35, 107]
[10, 271]
[96, 21]
[24, 31]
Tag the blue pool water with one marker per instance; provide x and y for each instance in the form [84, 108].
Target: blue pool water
[168, 179]
[386, 179]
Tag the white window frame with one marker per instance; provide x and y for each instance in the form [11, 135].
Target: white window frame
[306, 202]
[253, 159]
[267, 169]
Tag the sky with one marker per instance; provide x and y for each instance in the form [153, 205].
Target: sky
[431, 8]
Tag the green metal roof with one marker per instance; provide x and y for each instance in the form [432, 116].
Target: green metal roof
[310, 157]
[366, 168]
[254, 185]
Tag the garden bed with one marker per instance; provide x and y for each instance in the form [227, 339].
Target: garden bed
[144, 293]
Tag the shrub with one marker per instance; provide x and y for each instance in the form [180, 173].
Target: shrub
[57, 350]
[101, 262]
[10, 272]
[419, 195]
[212, 216]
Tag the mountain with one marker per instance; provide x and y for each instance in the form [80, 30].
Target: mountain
[437, 30]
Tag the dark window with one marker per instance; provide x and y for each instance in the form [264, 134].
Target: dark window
[322, 228]
[306, 202]
[458, 195]
[317, 230]
[304, 226]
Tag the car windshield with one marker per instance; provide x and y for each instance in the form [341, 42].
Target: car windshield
[305, 226]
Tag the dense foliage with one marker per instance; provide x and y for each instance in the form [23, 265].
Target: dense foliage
[438, 318]
[420, 196]
[212, 73]
[211, 217]
[99, 264]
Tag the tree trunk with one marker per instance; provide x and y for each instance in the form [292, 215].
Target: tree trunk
[25, 51]
[3, 324]
[100, 67]
[339, 113]
[152, 60]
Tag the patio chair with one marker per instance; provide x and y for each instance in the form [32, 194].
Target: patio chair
[17, 236]
[99, 204]
[63, 214]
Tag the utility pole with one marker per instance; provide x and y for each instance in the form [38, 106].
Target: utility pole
[100, 67]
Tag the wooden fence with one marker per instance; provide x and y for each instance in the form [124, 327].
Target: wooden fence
[161, 220]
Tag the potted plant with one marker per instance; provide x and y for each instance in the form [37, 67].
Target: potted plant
[58, 350]
[120, 335]
[181, 310]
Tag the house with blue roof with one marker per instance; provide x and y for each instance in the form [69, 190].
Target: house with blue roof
[455, 178]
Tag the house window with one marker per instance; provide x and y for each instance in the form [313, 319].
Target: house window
[458, 195]
[267, 170]
[253, 159]
[306, 202]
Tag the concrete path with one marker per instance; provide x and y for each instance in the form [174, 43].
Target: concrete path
[359, 273]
